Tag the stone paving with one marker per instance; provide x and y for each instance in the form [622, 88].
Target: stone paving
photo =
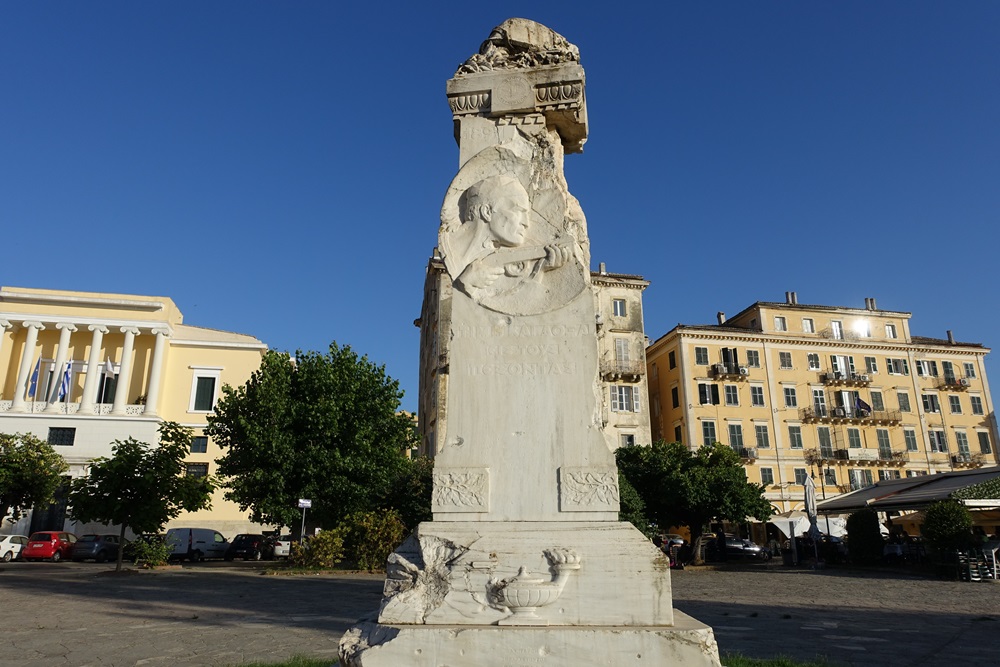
[215, 614]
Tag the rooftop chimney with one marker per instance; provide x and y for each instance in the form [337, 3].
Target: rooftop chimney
[951, 337]
[870, 303]
[722, 317]
[789, 297]
[602, 268]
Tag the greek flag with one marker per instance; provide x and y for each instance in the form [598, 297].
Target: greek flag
[33, 387]
[64, 386]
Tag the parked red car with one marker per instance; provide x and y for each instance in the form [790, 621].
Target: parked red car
[52, 544]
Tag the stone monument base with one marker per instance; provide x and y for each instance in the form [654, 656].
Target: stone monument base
[688, 642]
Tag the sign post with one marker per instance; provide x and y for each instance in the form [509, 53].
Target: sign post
[303, 503]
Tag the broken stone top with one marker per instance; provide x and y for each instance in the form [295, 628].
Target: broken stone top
[520, 44]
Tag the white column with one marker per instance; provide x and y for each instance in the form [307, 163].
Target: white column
[124, 371]
[24, 370]
[153, 391]
[65, 330]
[93, 369]
[4, 325]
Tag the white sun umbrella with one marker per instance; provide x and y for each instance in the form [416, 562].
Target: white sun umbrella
[811, 507]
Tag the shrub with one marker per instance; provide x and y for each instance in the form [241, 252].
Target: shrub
[371, 537]
[947, 526]
[864, 538]
[321, 551]
[151, 551]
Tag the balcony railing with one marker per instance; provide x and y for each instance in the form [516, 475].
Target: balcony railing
[36, 407]
[967, 460]
[838, 414]
[955, 382]
[747, 453]
[616, 369]
[846, 379]
[728, 369]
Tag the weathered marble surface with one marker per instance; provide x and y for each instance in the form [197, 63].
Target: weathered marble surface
[687, 642]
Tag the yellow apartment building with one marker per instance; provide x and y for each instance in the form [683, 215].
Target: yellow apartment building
[621, 349]
[82, 369]
[845, 395]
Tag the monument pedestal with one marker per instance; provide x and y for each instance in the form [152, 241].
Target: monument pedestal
[687, 642]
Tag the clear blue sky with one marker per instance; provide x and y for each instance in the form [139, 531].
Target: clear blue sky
[277, 168]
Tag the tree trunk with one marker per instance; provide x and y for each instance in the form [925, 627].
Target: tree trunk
[121, 549]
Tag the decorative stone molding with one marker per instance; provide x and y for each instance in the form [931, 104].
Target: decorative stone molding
[560, 94]
[588, 489]
[470, 103]
[524, 594]
[461, 490]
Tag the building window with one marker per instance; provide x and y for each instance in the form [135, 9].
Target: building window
[977, 405]
[675, 399]
[618, 307]
[757, 396]
[825, 443]
[627, 439]
[925, 367]
[949, 372]
[984, 442]
[701, 356]
[766, 476]
[677, 434]
[204, 383]
[732, 395]
[871, 365]
[785, 360]
[760, 430]
[708, 394]
[837, 329]
[904, 401]
[196, 469]
[910, 438]
[890, 330]
[621, 349]
[897, 367]
[736, 436]
[800, 476]
[864, 328]
[955, 405]
[624, 398]
[860, 479]
[962, 441]
[708, 436]
[813, 362]
[970, 370]
[830, 477]
[939, 442]
[672, 359]
[63, 437]
[795, 437]
[753, 359]
[199, 445]
[791, 401]
[780, 324]
[887, 474]
[884, 444]
[877, 403]
[853, 438]
[807, 325]
[931, 403]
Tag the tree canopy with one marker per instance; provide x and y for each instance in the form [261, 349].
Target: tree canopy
[30, 473]
[680, 487]
[141, 486]
[322, 426]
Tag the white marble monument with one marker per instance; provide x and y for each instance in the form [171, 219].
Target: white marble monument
[525, 562]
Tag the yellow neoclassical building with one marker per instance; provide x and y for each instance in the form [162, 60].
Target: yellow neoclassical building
[82, 369]
[846, 395]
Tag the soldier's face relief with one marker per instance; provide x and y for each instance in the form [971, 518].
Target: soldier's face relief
[509, 219]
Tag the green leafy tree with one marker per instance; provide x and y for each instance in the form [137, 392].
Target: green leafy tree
[681, 487]
[864, 537]
[633, 509]
[947, 526]
[140, 486]
[371, 536]
[323, 427]
[30, 473]
[410, 495]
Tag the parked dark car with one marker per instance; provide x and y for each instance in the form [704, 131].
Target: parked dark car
[100, 548]
[737, 547]
[52, 544]
[246, 546]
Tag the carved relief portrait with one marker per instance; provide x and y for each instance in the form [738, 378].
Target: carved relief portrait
[505, 236]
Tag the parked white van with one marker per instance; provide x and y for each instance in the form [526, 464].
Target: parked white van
[196, 544]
